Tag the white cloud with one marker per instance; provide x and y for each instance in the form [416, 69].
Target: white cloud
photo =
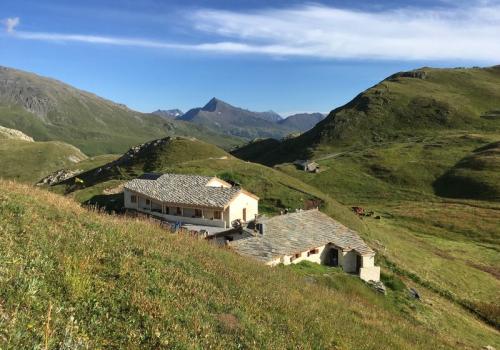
[468, 33]
[11, 24]
[320, 31]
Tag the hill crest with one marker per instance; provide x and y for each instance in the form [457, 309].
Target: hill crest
[418, 103]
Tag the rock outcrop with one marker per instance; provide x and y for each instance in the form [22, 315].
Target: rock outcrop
[58, 176]
[13, 134]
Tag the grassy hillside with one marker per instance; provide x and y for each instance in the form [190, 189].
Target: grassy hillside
[451, 245]
[149, 157]
[255, 149]
[46, 109]
[476, 176]
[420, 103]
[76, 279]
[302, 121]
[30, 161]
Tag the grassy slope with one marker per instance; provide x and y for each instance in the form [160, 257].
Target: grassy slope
[30, 161]
[93, 124]
[420, 233]
[75, 279]
[452, 245]
[475, 176]
[255, 148]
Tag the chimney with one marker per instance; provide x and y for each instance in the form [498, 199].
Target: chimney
[261, 228]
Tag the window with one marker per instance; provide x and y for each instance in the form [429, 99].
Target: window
[295, 256]
[167, 210]
[217, 215]
[133, 198]
[313, 251]
[244, 214]
[179, 211]
[197, 213]
[148, 202]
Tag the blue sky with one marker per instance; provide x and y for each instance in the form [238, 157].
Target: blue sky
[288, 56]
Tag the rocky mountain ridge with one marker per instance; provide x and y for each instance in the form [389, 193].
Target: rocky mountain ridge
[218, 114]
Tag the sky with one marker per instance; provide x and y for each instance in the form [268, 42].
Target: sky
[288, 56]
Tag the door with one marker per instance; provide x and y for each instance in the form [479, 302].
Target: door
[334, 257]
[244, 214]
[358, 263]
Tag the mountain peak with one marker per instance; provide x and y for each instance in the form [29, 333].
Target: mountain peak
[213, 104]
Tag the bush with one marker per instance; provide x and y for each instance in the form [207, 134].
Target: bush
[393, 282]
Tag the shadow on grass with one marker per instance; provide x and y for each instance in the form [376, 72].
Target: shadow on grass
[106, 202]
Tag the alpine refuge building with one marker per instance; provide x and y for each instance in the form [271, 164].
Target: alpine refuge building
[228, 215]
[191, 199]
[307, 235]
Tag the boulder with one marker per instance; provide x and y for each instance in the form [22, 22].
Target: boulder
[58, 176]
[378, 286]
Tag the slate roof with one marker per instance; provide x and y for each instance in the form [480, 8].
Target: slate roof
[183, 190]
[299, 232]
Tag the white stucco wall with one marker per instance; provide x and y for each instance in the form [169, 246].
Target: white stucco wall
[370, 273]
[290, 259]
[368, 261]
[347, 260]
[241, 201]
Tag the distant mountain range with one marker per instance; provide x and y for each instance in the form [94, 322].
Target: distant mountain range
[220, 115]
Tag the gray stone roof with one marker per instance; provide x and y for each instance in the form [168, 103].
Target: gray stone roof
[183, 190]
[299, 232]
